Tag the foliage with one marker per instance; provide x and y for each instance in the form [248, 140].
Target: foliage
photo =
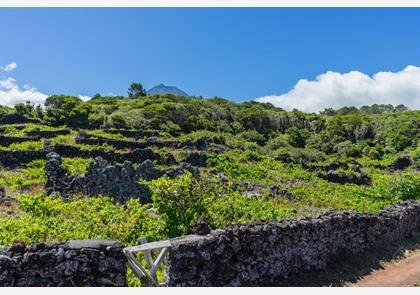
[25, 146]
[76, 166]
[136, 90]
[181, 202]
[45, 219]
[67, 110]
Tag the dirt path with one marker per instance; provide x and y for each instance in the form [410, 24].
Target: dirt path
[404, 273]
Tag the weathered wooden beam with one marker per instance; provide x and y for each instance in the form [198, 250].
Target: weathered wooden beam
[158, 261]
[151, 246]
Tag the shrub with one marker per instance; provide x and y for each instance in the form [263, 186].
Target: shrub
[181, 201]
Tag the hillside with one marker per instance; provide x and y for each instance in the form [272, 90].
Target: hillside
[192, 159]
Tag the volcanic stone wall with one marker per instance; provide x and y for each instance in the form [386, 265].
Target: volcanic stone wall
[7, 140]
[119, 180]
[15, 119]
[75, 263]
[16, 158]
[13, 159]
[265, 254]
[84, 138]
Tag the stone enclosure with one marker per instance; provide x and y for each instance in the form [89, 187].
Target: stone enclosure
[119, 180]
[257, 254]
[76, 263]
[265, 254]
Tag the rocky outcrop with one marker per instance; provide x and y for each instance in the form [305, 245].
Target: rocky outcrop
[88, 263]
[266, 254]
[401, 163]
[198, 159]
[181, 169]
[342, 172]
[359, 178]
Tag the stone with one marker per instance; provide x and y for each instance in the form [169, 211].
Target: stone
[401, 162]
[77, 263]
[268, 253]
[202, 228]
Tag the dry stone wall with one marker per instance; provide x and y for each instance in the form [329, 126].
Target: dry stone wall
[119, 180]
[257, 254]
[265, 254]
[16, 158]
[75, 263]
[84, 138]
[15, 119]
[13, 159]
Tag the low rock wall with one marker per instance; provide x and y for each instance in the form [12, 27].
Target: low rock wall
[15, 119]
[75, 263]
[265, 254]
[13, 159]
[8, 140]
[84, 138]
[119, 180]
[48, 133]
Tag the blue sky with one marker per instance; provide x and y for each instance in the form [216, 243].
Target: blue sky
[239, 54]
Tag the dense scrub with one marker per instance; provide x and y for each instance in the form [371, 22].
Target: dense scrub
[255, 162]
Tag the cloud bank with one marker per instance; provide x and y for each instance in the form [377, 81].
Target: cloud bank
[335, 90]
[11, 93]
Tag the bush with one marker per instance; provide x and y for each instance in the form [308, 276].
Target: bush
[181, 201]
[297, 137]
[67, 110]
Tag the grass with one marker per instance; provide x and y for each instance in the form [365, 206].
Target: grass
[33, 176]
[24, 146]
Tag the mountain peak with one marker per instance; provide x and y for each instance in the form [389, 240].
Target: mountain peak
[163, 89]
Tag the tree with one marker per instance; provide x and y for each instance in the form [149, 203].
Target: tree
[136, 90]
[67, 110]
[25, 109]
[39, 112]
[297, 137]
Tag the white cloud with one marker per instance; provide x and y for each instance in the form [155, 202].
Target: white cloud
[84, 97]
[11, 93]
[335, 90]
[10, 67]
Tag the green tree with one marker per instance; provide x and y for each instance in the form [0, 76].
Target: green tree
[67, 110]
[136, 90]
[297, 137]
[39, 112]
[25, 109]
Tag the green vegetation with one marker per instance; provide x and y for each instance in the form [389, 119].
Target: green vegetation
[24, 146]
[246, 143]
[76, 166]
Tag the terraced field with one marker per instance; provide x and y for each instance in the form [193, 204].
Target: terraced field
[154, 166]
